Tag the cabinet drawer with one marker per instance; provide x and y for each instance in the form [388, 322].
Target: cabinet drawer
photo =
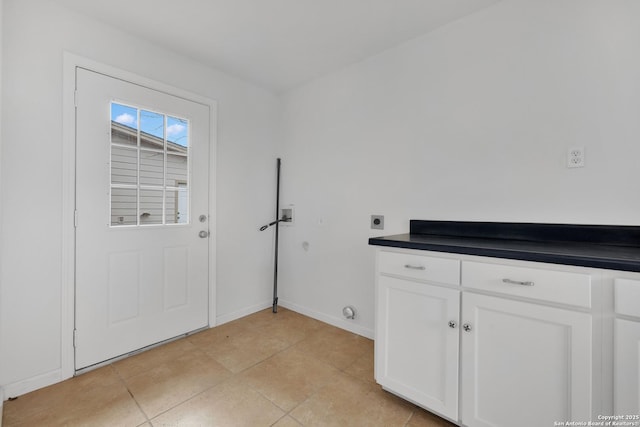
[546, 285]
[415, 266]
[627, 295]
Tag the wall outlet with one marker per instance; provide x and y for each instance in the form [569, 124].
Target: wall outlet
[575, 157]
[377, 222]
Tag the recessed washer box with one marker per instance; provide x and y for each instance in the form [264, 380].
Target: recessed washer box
[289, 213]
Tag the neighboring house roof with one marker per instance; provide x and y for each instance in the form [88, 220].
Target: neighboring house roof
[147, 140]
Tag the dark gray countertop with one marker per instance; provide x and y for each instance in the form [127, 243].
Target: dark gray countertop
[607, 247]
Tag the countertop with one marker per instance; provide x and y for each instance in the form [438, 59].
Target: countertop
[596, 246]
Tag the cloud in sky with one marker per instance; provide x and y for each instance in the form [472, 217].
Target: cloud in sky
[175, 129]
[126, 119]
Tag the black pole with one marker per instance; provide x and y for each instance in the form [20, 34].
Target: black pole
[275, 267]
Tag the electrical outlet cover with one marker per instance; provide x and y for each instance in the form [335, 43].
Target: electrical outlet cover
[575, 157]
[377, 222]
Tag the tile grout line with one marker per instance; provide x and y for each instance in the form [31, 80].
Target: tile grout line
[286, 413]
[124, 383]
[232, 376]
[192, 397]
[197, 348]
[301, 343]
[343, 371]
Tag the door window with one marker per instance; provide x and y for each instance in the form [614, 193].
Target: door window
[149, 167]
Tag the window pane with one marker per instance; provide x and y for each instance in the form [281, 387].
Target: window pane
[150, 159]
[177, 134]
[177, 208]
[124, 165]
[124, 124]
[151, 168]
[152, 130]
[123, 206]
[150, 206]
[177, 170]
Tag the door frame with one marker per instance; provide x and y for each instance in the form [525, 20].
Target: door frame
[67, 310]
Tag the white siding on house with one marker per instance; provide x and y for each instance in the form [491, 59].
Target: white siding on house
[151, 175]
[124, 206]
[177, 172]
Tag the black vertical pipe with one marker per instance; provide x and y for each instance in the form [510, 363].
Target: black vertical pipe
[275, 267]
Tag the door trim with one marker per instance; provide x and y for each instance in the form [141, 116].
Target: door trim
[70, 63]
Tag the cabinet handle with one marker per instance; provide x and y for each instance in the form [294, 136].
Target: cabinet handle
[466, 327]
[452, 324]
[415, 267]
[516, 282]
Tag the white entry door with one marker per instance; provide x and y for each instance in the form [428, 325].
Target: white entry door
[142, 187]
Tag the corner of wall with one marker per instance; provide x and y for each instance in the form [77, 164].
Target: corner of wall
[246, 311]
[1, 389]
[331, 320]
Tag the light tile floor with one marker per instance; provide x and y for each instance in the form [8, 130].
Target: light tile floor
[265, 369]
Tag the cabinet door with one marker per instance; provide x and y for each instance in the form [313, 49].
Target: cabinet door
[416, 348]
[627, 367]
[523, 364]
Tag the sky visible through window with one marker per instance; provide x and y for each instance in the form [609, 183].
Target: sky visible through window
[151, 122]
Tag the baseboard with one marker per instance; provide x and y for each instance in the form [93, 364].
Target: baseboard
[225, 318]
[335, 321]
[332, 320]
[53, 377]
[25, 386]
[30, 384]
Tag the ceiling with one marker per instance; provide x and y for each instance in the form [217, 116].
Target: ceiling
[277, 44]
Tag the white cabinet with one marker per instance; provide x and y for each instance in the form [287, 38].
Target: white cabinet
[417, 343]
[626, 377]
[626, 367]
[420, 267]
[523, 364]
[529, 281]
[517, 337]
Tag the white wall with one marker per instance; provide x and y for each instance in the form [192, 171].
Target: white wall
[470, 122]
[36, 32]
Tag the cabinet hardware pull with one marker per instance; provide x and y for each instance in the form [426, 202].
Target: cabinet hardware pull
[516, 282]
[415, 267]
[466, 327]
[452, 324]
